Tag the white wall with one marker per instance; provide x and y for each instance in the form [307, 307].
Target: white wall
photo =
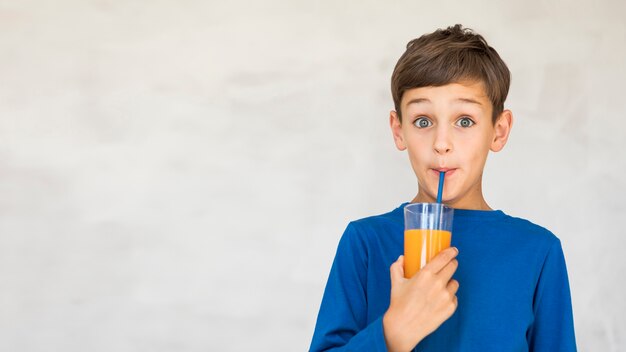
[175, 176]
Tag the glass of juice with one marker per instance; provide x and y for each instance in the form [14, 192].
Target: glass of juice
[427, 231]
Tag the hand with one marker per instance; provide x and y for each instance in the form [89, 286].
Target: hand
[419, 305]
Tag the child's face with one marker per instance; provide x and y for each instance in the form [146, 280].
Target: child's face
[450, 128]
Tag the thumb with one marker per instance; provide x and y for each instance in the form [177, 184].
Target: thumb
[397, 270]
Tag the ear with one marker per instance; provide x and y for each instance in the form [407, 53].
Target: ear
[502, 129]
[396, 130]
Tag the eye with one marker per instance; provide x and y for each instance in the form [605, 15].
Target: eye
[465, 122]
[422, 122]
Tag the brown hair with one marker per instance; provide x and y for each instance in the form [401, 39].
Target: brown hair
[447, 56]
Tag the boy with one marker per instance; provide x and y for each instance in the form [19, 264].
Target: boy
[510, 290]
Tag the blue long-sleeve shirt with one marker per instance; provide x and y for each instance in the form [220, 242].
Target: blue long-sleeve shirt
[513, 296]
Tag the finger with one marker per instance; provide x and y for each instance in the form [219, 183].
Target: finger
[455, 304]
[451, 307]
[397, 270]
[446, 273]
[442, 259]
[453, 286]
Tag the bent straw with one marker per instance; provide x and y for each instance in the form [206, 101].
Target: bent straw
[442, 175]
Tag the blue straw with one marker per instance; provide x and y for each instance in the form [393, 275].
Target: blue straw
[442, 175]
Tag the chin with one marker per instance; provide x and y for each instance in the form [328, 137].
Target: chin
[447, 199]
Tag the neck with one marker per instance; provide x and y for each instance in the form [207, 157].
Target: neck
[471, 203]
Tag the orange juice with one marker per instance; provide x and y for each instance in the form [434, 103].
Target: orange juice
[420, 246]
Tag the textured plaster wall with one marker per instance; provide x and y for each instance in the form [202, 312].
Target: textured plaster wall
[175, 175]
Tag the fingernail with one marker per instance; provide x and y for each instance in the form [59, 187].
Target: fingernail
[456, 249]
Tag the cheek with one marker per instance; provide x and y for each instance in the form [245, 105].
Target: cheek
[475, 153]
[479, 156]
[418, 157]
[418, 150]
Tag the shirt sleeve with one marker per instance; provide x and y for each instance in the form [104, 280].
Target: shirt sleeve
[553, 326]
[342, 319]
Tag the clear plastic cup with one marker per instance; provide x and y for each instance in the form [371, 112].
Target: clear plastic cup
[427, 231]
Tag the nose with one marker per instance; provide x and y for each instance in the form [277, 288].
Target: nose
[442, 143]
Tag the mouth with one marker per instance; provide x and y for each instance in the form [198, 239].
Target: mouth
[449, 171]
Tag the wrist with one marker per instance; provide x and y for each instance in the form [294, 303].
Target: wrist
[392, 333]
[388, 333]
[397, 337]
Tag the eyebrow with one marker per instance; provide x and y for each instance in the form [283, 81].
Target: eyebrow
[469, 100]
[425, 100]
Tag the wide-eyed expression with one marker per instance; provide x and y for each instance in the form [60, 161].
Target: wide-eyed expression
[448, 128]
